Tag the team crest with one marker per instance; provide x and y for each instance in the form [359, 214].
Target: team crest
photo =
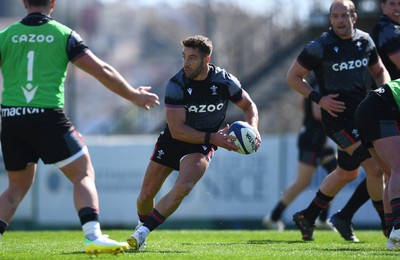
[359, 45]
[160, 153]
[214, 90]
[355, 132]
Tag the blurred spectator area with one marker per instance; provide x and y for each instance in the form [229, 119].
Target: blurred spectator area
[143, 43]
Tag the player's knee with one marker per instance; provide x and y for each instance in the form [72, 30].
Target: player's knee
[346, 176]
[352, 162]
[183, 189]
[372, 169]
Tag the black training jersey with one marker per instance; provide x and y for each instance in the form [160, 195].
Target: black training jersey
[341, 66]
[205, 101]
[309, 122]
[386, 35]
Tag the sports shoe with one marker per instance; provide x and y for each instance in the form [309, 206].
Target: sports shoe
[394, 240]
[104, 245]
[323, 225]
[137, 240]
[268, 223]
[344, 227]
[305, 226]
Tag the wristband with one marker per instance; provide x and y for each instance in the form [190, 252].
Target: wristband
[207, 138]
[315, 96]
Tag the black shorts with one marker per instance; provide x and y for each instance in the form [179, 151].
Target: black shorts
[313, 147]
[171, 153]
[341, 129]
[30, 134]
[377, 116]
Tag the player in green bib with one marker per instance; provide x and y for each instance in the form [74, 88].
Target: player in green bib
[34, 55]
[378, 120]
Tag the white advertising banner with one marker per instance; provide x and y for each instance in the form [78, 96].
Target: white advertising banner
[234, 187]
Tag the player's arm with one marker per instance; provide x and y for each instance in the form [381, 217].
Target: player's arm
[296, 80]
[180, 131]
[395, 58]
[379, 73]
[250, 113]
[114, 81]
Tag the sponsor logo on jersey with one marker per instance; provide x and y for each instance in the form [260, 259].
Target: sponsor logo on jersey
[190, 91]
[205, 108]
[20, 111]
[350, 65]
[32, 38]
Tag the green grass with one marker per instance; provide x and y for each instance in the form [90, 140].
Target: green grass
[195, 244]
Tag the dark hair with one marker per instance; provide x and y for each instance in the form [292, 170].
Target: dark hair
[199, 41]
[39, 2]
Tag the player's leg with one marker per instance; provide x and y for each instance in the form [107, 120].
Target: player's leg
[302, 181]
[192, 168]
[346, 171]
[386, 148]
[154, 178]
[328, 162]
[19, 183]
[81, 173]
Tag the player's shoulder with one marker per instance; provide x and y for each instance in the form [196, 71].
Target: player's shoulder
[221, 75]
[361, 34]
[176, 80]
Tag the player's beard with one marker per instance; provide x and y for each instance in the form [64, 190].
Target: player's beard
[196, 71]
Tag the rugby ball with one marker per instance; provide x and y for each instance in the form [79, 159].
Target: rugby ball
[245, 137]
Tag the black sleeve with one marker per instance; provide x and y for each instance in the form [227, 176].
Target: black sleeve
[75, 46]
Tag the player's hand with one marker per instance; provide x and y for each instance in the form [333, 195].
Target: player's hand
[331, 105]
[146, 99]
[258, 138]
[222, 139]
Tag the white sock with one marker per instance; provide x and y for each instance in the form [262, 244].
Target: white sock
[144, 230]
[92, 230]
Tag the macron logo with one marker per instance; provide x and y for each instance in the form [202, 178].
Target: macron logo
[29, 92]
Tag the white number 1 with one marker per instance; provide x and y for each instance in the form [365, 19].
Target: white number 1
[31, 56]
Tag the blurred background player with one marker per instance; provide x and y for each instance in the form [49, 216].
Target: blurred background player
[314, 149]
[341, 60]
[34, 55]
[196, 101]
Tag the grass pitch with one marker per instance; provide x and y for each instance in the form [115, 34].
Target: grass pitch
[196, 244]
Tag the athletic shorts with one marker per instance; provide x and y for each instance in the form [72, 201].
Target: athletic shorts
[30, 134]
[171, 153]
[377, 116]
[341, 129]
[315, 155]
